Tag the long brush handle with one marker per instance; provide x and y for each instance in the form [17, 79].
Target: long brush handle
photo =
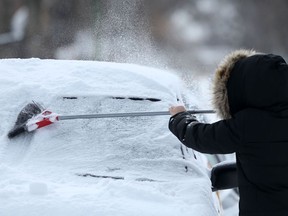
[47, 118]
[131, 114]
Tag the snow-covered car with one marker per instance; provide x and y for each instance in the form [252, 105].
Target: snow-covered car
[106, 166]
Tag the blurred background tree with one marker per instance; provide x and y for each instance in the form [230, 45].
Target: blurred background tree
[183, 35]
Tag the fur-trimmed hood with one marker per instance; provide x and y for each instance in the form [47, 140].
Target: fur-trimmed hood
[222, 74]
[245, 79]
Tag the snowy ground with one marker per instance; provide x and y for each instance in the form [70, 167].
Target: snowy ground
[42, 173]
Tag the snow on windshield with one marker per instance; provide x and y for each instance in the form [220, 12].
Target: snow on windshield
[115, 166]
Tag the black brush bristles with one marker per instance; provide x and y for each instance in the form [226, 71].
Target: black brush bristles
[25, 114]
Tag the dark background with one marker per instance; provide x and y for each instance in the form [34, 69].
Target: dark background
[183, 35]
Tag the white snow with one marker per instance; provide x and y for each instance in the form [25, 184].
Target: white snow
[19, 23]
[42, 172]
[18, 26]
[187, 29]
[38, 188]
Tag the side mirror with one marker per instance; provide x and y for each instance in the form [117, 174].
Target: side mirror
[224, 176]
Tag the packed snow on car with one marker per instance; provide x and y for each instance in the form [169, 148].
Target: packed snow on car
[107, 166]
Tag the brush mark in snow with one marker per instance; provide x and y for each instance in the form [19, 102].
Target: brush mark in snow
[119, 98]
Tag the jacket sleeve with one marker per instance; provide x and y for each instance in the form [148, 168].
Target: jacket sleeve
[221, 137]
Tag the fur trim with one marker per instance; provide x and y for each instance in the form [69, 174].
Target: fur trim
[222, 74]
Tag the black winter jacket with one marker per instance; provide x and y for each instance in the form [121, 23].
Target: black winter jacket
[257, 130]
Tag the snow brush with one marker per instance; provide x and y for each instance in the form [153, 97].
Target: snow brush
[33, 116]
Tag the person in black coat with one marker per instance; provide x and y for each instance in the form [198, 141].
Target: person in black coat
[251, 96]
